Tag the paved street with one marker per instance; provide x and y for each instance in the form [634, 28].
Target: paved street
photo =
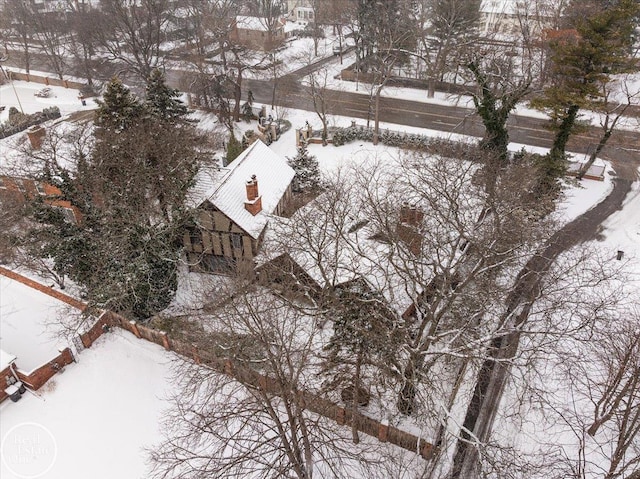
[290, 93]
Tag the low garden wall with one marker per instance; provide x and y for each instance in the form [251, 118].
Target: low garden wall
[45, 80]
[341, 415]
[38, 377]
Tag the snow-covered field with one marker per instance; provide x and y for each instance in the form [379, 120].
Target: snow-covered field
[101, 414]
[27, 324]
[21, 94]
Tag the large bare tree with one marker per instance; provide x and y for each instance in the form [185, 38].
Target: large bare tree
[133, 32]
[228, 421]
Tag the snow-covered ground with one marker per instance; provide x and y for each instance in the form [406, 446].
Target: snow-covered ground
[101, 414]
[119, 382]
[21, 94]
[27, 324]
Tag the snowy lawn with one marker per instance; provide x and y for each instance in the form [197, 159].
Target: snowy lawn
[102, 412]
[27, 324]
[21, 94]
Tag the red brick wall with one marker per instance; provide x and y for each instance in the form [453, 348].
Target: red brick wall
[37, 378]
[65, 298]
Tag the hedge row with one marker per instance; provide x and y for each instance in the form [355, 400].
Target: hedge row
[7, 129]
[342, 136]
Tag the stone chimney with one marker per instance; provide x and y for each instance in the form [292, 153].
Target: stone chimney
[253, 203]
[36, 136]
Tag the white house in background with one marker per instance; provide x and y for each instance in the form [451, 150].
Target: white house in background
[234, 205]
[506, 17]
[300, 11]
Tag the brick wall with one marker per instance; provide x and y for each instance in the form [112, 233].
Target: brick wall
[65, 298]
[45, 80]
[38, 377]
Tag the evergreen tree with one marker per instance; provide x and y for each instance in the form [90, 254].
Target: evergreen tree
[599, 45]
[130, 190]
[307, 176]
[163, 101]
[119, 109]
[234, 148]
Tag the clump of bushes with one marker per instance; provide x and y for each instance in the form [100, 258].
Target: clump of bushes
[411, 141]
[342, 136]
[18, 121]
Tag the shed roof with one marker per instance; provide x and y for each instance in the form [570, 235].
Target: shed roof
[6, 359]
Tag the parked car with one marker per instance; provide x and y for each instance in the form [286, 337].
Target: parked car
[337, 49]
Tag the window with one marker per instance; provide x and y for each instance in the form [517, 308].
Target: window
[195, 238]
[217, 264]
[40, 188]
[236, 241]
[20, 185]
[2, 185]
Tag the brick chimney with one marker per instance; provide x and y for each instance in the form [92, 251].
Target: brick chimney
[36, 135]
[411, 215]
[252, 188]
[253, 203]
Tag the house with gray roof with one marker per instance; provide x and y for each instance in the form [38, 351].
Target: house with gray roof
[233, 206]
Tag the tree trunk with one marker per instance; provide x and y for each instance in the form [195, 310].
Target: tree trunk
[595, 153]
[557, 153]
[237, 94]
[376, 122]
[407, 398]
[354, 403]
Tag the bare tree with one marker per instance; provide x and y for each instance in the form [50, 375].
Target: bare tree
[51, 32]
[611, 111]
[322, 97]
[19, 14]
[84, 22]
[133, 32]
[449, 27]
[253, 421]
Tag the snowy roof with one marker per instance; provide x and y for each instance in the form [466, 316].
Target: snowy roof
[347, 255]
[225, 188]
[5, 359]
[252, 23]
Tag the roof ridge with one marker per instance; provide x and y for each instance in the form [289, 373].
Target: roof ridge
[243, 156]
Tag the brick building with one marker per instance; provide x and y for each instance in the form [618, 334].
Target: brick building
[259, 33]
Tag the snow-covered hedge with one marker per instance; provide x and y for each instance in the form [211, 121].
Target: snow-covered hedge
[342, 136]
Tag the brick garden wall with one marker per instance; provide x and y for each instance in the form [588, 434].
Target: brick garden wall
[38, 377]
[65, 298]
[341, 415]
[45, 80]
